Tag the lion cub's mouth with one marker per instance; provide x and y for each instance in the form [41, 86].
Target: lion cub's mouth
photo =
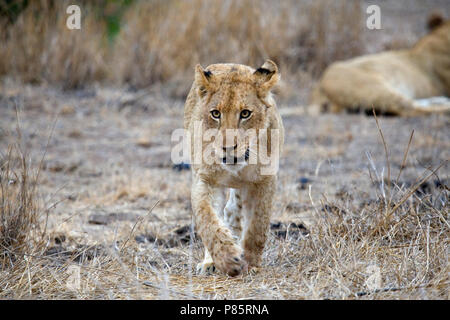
[236, 160]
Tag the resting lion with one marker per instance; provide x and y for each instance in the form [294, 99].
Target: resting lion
[393, 82]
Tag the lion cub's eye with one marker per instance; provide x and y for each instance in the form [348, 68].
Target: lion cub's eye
[215, 114]
[245, 114]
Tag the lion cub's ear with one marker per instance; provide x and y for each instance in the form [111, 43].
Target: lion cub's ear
[203, 79]
[266, 77]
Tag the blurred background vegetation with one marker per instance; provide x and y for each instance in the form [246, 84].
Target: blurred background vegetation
[142, 43]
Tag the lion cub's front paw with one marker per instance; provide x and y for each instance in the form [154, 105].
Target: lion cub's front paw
[230, 261]
[206, 267]
[254, 270]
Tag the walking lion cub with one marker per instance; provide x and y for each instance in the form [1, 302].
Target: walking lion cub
[236, 140]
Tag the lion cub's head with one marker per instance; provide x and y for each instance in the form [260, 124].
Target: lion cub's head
[235, 100]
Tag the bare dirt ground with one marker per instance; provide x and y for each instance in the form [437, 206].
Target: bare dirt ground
[119, 209]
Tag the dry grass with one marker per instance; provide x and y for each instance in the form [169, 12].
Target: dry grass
[38, 47]
[352, 252]
[151, 49]
[19, 211]
[161, 41]
[32, 262]
[394, 246]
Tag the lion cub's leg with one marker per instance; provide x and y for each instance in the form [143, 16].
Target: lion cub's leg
[233, 213]
[218, 201]
[216, 237]
[257, 211]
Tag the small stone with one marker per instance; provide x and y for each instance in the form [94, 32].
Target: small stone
[303, 182]
[60, 238]
[99, 219]
[181, 166]
[144, 143]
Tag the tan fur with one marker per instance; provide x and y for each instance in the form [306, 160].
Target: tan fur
[233, 232]
[392, 81]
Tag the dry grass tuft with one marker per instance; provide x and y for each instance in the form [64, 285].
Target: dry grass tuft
[19, 209]
[373, 250]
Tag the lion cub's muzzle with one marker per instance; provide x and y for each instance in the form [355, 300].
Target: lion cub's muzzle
[231, 157]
